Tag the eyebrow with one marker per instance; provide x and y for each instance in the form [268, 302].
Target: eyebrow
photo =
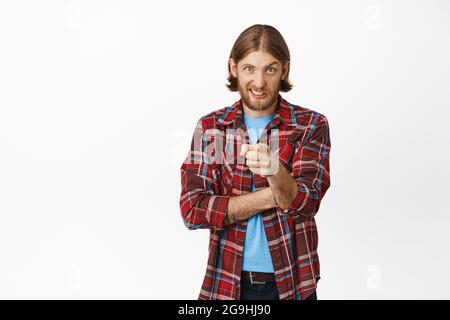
[270, 64]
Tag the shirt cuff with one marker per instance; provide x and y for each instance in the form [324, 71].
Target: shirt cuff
[217, 210]
[298, 203]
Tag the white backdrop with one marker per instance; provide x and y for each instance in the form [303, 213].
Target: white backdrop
[98, 102]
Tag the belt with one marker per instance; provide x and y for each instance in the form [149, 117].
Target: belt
[258, 277]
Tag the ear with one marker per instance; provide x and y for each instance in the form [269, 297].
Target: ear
[285, 70]
[233, 68]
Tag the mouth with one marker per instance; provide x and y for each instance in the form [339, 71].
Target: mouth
[257, 95]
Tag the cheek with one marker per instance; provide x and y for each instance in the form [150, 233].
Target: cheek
[244, 83]
[275, 82]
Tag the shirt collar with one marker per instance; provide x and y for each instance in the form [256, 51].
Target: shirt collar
[284, 113]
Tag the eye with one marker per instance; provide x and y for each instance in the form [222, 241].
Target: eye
[248, 68]
[271, 70]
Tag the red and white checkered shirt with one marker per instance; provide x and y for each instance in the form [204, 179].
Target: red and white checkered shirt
[212, 173]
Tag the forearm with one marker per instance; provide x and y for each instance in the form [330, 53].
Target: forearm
[247, 205]
[284, 187]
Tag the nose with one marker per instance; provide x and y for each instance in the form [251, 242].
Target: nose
[259, 81]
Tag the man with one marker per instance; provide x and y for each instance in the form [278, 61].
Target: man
[255, 177]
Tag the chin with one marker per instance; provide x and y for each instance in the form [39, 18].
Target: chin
[259, 105]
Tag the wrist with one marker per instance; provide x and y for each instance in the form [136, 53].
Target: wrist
[272, 200]
[273, 170]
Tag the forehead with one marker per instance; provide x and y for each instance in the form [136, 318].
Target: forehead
[258, 58]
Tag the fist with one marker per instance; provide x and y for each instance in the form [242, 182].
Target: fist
[260, 159]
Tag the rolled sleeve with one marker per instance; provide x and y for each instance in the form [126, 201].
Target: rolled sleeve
[201, 204]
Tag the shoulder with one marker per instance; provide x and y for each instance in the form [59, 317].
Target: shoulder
[308, 117]
[218, 118]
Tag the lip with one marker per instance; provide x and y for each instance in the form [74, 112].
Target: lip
[258, 97]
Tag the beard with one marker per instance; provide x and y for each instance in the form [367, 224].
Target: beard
[258, 104]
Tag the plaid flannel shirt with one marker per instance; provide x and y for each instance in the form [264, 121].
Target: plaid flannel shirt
[211, 174]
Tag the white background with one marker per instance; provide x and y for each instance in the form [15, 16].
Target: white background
[98, 102]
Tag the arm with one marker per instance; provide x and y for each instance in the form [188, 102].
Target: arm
[201, 204]
[245, 206]
[310, 171]
[284, 187]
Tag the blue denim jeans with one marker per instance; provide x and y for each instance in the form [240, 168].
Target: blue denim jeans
[266, 291]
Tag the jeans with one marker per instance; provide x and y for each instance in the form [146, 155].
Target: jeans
[266, 291]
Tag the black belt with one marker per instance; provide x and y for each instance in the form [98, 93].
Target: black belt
[258, 277]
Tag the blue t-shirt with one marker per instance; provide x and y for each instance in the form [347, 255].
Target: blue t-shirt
[256, 248]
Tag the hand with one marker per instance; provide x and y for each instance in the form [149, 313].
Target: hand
[260, 159]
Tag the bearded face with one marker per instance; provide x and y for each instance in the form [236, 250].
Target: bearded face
[259, 77]
[258, 99]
